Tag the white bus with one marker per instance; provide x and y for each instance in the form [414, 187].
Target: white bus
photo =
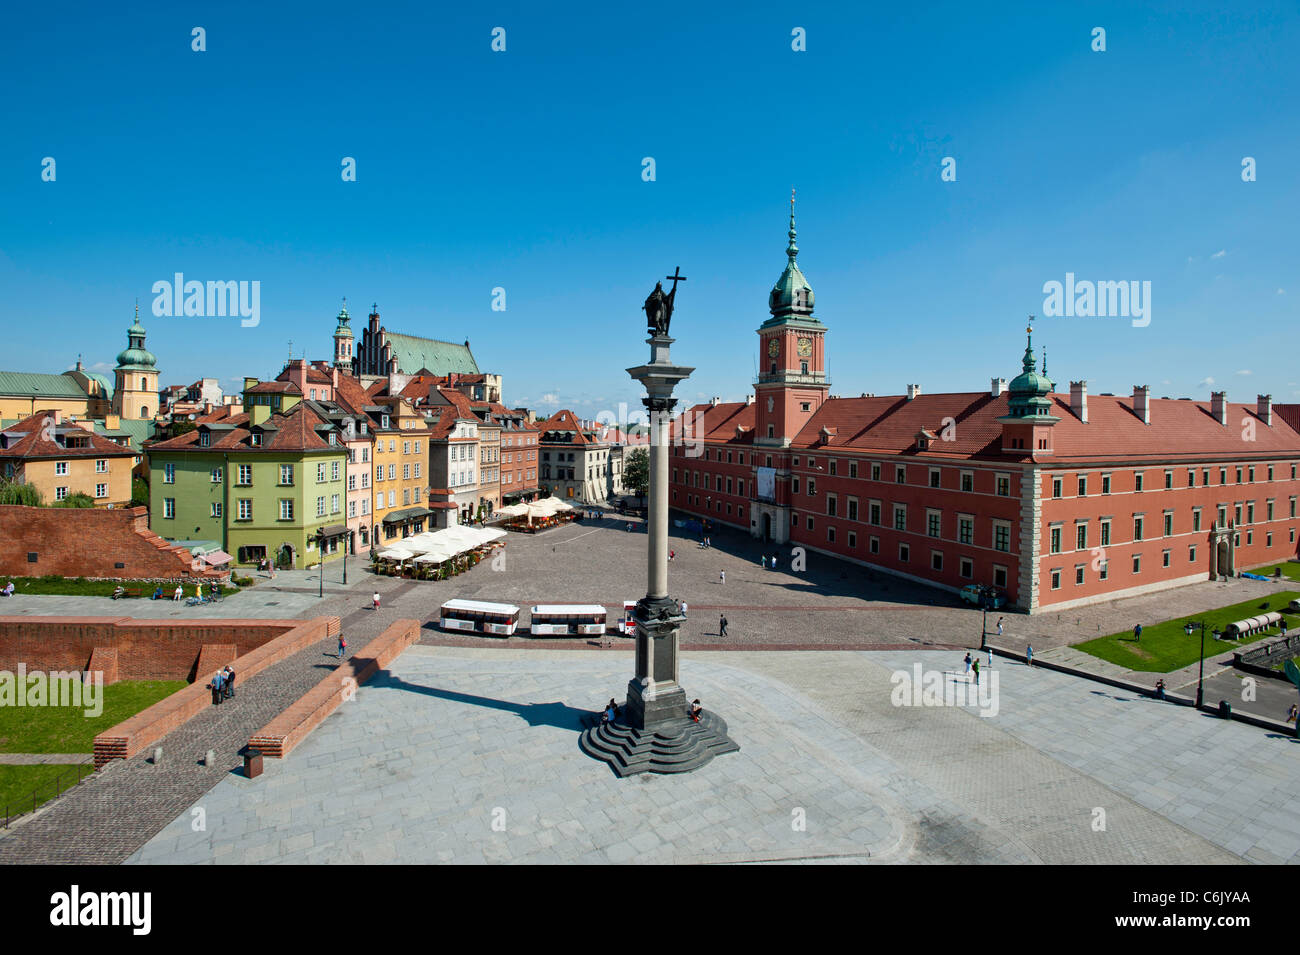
[563, 620]
[477, 616]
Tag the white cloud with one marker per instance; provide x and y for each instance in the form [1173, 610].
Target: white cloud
[550, 398]
[1206, 382]
[1244, 372]
[1281, 291]
[1220, 254]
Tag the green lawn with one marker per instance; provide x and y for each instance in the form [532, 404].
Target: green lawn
[1165, 647]
[81, 587]
[1290, 570]
[18, 782]
[66, 729]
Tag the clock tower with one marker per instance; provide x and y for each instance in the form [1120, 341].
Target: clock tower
[791, 383]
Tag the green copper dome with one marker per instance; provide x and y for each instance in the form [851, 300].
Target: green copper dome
[1028, 391]
[344, 330]
[792, 295]
[136, 356]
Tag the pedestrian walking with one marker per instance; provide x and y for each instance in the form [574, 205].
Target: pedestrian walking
[1160, 689]
[1137, 633]
[343, 646]
[1292, 713]
[966, 668]
[762, 562]
[999, 626]
[975, 668]
[683, 608]
[774, 561]
[629, 527]
[722, 625]
[1029, 655]
[376, 600]
[722, 576]
[989, 651]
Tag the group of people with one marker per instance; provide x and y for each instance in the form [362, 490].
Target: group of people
[767, 563]
[612, 712]
[267, 567]
[223, 685]
[8, 590]
[706, 543]
[973, 666]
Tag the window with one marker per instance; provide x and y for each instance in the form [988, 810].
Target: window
[1001, 536]
[1164, 561]
[934, 477]
[320, 472]
[1056, 487]
[1169, 480]
[334, 470]
[999, 576]
[810, 522]
[1196, 519]
[853, 541]
[830, 505]
[406, 472]
[1223, 475]
[967, 480]
[245, 509]
[900, 517]
[1083, 486]
[1191, 477]
[904, 553]
[900, 474]
[852, 505]
[169, 473]
[853, 469]
[1055, 541]
[1056, 580]
[1103, 571]
[417, 469]
[169, 503]
[215, 510]
[406, 447]
[101, 466]
[873, 545]
[965, 529]
[933, 522]
[1191, 553]
[392, 472]
[286, 509]
[1137, 528]
[1169, 523]
[1078, 574]
[1080, 536]
[830, 535]
[1004, 485]
[1137, 481]
[966, 568]
[1137, 563]
[812, 488]
[1105, 533]
[936, 560]
[1268, 510]
[1105, 484]
[245, 475]
[334, 503]
[875, 471]
[379, 472]
[286, 475]
[101, 490]
[1205, 477]
[873, 513]
[214, 475]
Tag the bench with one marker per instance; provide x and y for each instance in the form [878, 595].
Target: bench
[129, 592]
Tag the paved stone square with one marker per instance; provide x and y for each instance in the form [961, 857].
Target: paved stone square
[449, 741]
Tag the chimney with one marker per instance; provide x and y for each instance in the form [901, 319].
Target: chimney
[1142, 402]
[714, 401]
[997, 386]
[913, 391]
[1079, 399]
[749, 399]
[1219, 406]
[1265, 409]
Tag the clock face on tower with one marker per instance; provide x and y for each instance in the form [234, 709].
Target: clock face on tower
[773, 347]
[805, 347]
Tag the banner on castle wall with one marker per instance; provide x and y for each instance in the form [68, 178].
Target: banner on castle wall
[767, 484]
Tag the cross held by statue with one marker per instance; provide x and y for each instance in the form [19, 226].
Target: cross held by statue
[675, 278]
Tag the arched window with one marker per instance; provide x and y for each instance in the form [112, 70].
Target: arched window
[144, 384]
[144, 411]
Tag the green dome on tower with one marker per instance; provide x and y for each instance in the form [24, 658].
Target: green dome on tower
[1027, 395]
[344, 330]
[136, 356]
[792, 295]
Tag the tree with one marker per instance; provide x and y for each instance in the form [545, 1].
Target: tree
[80, 499]
[636, 472]
[26, 494]
[139, 492]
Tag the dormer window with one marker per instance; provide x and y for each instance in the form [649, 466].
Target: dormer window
[383, 422]
[205, 439]
[255, 439]
[334, 438]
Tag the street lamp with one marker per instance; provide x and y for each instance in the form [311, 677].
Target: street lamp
[320, 553]
[1189, 628]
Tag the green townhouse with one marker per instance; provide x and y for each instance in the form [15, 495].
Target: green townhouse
[268, 483]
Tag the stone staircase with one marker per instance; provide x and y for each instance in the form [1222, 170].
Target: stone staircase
[672, 746]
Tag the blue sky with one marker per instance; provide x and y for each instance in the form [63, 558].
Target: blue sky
[522, 170]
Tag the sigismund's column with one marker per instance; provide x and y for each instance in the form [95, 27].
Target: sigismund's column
[653, 694]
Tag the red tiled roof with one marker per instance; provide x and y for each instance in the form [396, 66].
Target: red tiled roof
[274, 387]
[38, 440]
[566, 422]
[294, 430]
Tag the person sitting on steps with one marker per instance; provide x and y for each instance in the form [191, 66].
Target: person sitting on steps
[696, 710]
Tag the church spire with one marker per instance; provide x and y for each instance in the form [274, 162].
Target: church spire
[792, 250]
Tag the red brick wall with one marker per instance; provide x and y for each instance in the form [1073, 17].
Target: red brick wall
[88, 542]
[145, 649]
[148, 726]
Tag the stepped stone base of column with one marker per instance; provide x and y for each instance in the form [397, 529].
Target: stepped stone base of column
[678, 745]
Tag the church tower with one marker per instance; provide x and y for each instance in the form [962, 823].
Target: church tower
[135, 387]
[1027, 425]
[791, 383]
[343, 342]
